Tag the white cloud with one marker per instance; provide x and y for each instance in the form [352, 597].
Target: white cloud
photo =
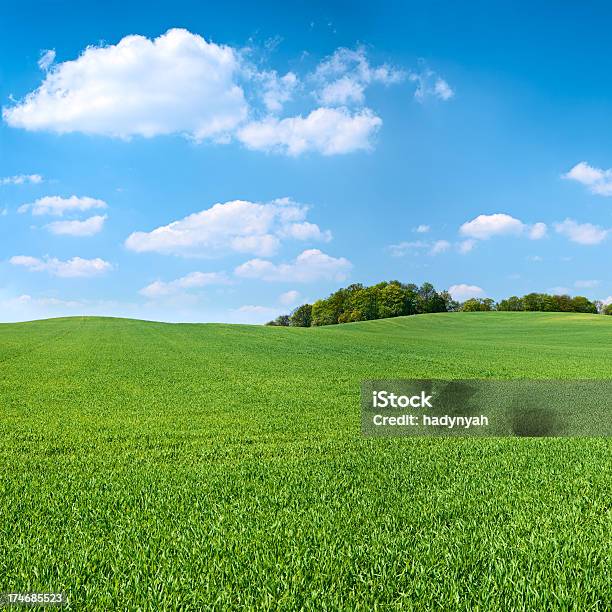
[176, 83]
[440, 246]
[582, 233]
[20, 179]
[306, 231]
[252, 314]
[597, 180]
[403, 248]
[419, 246]
[466, 246]
[193, 280]
[443, 90]
[47, 58]
[330, 131]
[237, 226]
[422, 229]
[484, 227]
[607, 301]
[57, 206]
[289, 297]
[311, 265]
[89, 227]
[251, 308]
[26, 299]
[277, 91]
[538, 231]
[464, 292]
[586, 284]
[343, 77]
[429, 84]
[72, 268]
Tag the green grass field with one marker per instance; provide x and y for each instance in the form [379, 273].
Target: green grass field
[148, 466]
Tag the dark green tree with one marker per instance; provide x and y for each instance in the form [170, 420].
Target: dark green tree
[301, 316]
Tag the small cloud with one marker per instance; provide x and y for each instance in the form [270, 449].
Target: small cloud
[311, 265]
[581, 233]
[330, 131]
[193, 280]
[430, 85]
[72, 268]
[538, 231]
[403, 248]
[20, 179]
[535, 258]
[464, 292]
[440, 246]
[422, 229]
[57, 206]
[289, 297]
[466, 246]
[484, 227]
[597, 180]
[89, 227]
[46, 59]
[343, 77]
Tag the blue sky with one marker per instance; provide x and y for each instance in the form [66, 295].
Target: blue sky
[228, 162]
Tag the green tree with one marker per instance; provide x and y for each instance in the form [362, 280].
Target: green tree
[301, 316]
[281, 321]
[477, 305]
[512, 304]
[582, 304]
[607, 310]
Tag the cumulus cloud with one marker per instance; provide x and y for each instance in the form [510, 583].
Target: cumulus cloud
[484, 227]
[238, 226]
[193, 280]
[20, 179]
[430, 85]
[597, 180]
[88, 227]
[180, 83]
[343, 77]
[330, 131]
[289, 297]
[464, 292]
[311, 265]
[57, 206]
[71, 268]
[176, 83]
[581, 233]
[422, 229]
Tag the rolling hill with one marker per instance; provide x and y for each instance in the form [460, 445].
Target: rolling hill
[179, 466]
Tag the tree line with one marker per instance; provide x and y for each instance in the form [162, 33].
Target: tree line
[395, 299]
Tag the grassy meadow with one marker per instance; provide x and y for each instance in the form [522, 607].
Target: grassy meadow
[150, 466]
